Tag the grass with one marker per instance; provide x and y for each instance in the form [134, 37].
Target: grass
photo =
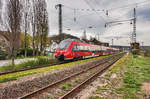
[107, 81]
[138, 71]
[77, 80]
[15, 76]
[28, 64]
[69, 84]
[60, 94]
[89, 72]
[64, 87]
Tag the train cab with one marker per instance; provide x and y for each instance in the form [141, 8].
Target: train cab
[64, 49]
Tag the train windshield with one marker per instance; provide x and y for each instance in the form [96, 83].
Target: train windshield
[64, 44]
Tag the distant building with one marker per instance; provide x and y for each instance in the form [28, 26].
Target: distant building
[104, 44]
[52, 48]
[122, 48]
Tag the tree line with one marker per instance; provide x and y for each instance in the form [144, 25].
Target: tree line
[23, 17]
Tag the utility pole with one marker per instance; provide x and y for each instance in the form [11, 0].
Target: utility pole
[143, 45]
[59, 6]
[99, 36]
[84, 34]
[134, 28]
[112, 42]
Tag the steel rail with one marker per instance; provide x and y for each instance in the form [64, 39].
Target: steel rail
[36, 67]
[88, 80]
[102, 61]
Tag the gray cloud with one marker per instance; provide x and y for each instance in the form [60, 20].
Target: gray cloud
[144, 13]
[90, 18]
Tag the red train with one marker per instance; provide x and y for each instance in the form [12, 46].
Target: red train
[74, 49]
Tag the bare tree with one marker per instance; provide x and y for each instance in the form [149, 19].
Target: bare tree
[26, 27]
[1, 11]
[34, 26]
[33, 36]
[26, 21]
[42, 24]
[39, 26]
[13, 26]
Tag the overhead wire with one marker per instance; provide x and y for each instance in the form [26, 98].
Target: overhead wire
[76, 16]
[97, 10]
[129, 5]
[111, 9]
[94, 10]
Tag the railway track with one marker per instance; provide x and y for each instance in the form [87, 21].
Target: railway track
[36, 67]
[52, 90]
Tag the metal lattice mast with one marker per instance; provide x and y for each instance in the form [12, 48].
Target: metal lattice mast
[134, 28]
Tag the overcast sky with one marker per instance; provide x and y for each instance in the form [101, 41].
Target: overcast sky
[84, 19]
[96, 17]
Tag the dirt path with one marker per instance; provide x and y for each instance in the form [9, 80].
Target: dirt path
[146, 88]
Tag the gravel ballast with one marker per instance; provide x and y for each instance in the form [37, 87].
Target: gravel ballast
[31, 83]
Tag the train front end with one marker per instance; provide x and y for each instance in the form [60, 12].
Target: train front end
[63, 52]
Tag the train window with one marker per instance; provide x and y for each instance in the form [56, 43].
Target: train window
[91, 48]
[85, 48]
[88, 48]
[81, 48]
[78, 47]
[64, 44]
[75, 48]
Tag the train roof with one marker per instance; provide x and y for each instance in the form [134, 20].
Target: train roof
[82, 42]
[73, 40]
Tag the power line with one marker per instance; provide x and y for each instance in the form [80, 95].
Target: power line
[84, 9]
[94, 10]
[125, 6]
[110, 9]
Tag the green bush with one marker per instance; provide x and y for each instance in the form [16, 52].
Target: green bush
[42, 60]
[2, 54]
[22, 52]
[27, 64]
[2, 57]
